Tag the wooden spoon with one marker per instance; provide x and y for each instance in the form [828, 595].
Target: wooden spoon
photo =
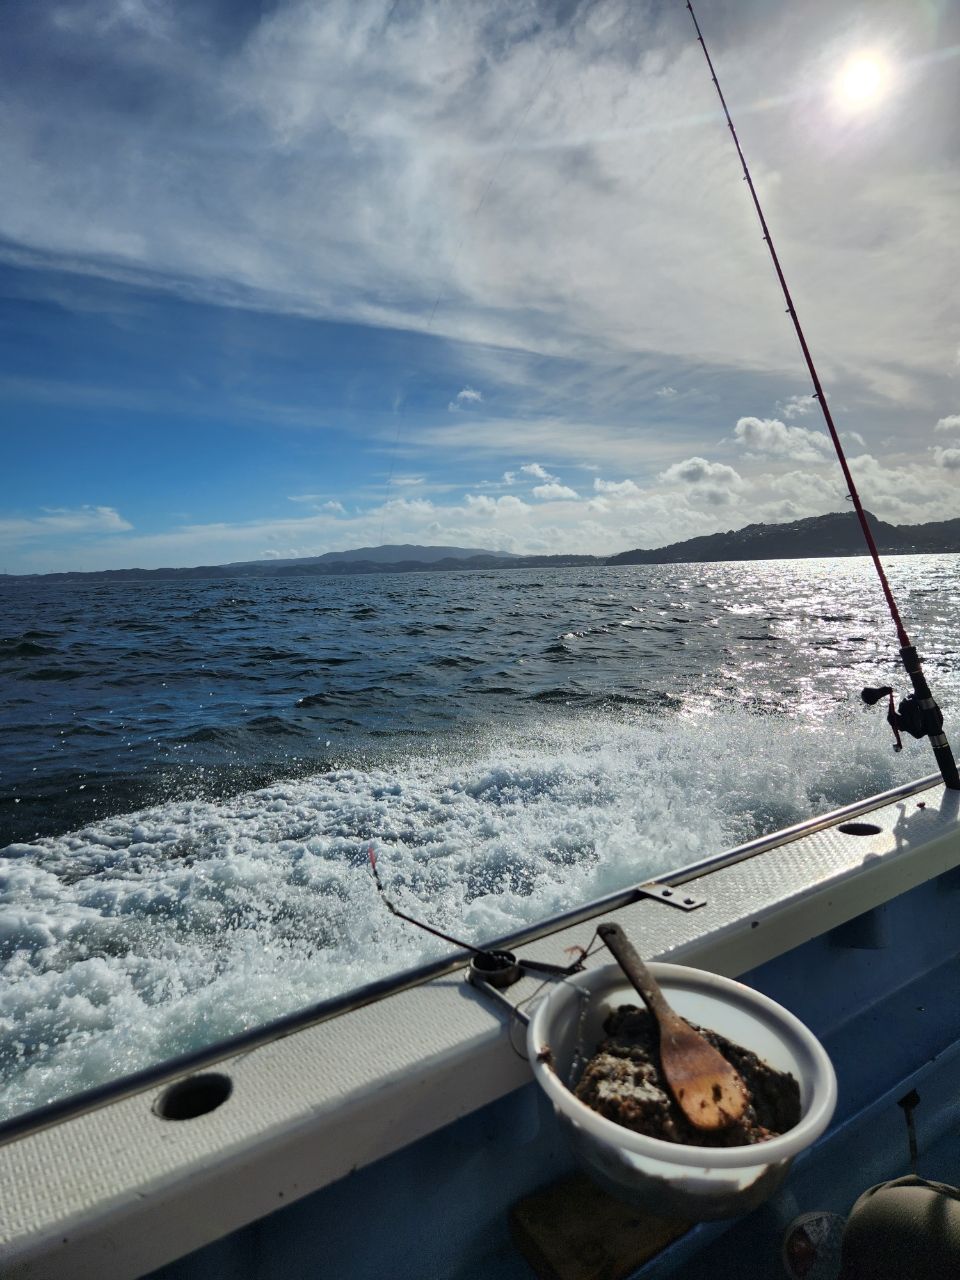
[708, 1090]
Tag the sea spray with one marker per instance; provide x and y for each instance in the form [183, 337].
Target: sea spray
[151, 934]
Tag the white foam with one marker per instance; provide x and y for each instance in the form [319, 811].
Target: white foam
[147, 935]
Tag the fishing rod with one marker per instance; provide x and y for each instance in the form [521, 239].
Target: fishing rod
[918, 714]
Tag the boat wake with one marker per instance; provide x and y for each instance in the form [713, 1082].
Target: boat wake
[151, 934]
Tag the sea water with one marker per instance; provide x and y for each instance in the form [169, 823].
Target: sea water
[192, 772]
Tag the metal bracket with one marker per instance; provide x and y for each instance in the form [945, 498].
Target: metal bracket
[497, 996]
[673, 897]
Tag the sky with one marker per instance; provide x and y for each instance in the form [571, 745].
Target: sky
[281, 277]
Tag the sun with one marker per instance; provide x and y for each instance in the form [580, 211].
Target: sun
[864, 81]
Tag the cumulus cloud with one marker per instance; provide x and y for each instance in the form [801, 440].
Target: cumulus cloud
[621, 487]
[712, 482]
[950, 423]
[948, 458]
[508, 505]
[808, 491]
[770, 437]
[534, 469]
[908, 493]
[554, 491]
[509, 477]
[469, 395]
[797, 406]
[414, 506]
[666, 393]
[700, 471]
[480, 503]
[513, 505]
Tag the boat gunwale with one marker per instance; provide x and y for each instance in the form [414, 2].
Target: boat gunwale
[171, 1069]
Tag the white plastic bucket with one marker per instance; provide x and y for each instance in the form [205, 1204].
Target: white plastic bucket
[695, 1183]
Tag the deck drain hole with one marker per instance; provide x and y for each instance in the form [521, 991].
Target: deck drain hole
[195, 1096]
[859, 829]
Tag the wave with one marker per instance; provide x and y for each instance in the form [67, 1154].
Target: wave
[23, 649]
[55, 673]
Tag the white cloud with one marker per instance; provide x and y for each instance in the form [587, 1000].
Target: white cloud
[63, 520]
[508, 505]
[513, 505]
[415, 506]
[808, 492]
[622, 487]
[666, 393]
[950, 423]
[480, 502]
[619, 448]
[317, 500]
[700, 471]
[694, 496]
[770, 437]
[553, 491]
[797, 406]
[535, 469]
[359, 139]
[907, 493]
[509, 477]
[712, 482]
[467, 396]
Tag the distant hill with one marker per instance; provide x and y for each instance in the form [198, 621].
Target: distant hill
[837, 534]
[394, 553]
[389, 553]
[390, 558]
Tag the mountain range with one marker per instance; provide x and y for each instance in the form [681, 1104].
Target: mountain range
[836, 534]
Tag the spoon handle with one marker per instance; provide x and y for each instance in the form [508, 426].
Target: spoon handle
[638, 973]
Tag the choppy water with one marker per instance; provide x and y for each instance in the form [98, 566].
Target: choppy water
[191, 773]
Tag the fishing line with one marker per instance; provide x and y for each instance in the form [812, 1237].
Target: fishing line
[497, 958]
[919, 714]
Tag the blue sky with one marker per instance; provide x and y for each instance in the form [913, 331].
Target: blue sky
[277, 279]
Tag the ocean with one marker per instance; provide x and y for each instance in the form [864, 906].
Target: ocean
[192, 772]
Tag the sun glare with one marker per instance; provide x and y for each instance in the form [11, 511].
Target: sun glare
[864, 81]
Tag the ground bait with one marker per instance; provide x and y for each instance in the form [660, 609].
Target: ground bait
[624, 1083]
